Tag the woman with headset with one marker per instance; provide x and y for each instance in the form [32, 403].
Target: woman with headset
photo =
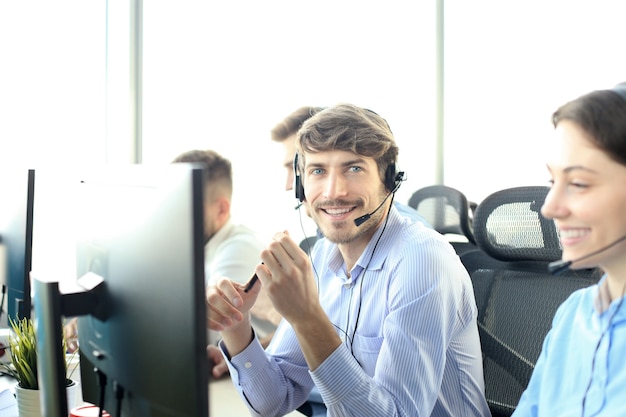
[580, 371]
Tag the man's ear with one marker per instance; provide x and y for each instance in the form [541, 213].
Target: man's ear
[223, 209]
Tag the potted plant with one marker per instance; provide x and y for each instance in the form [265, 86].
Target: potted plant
[23, 367]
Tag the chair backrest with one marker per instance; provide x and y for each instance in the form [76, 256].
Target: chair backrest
[516, 295]
[447, 210]
[307, 243]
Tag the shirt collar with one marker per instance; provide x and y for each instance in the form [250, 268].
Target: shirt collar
[336, 262]
[219, 236]
[602, 301]
[603, 298]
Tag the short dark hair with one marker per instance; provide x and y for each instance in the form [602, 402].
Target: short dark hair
[290, 124]
[218, 172]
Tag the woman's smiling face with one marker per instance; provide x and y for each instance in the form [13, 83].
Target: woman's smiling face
[587, 199]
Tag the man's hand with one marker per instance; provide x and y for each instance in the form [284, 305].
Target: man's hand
[218, 363]
[228, 304]
[70, 332]
[287, 276]
[228, 312]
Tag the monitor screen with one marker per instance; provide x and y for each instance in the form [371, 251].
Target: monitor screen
[140, 232]
[17, 191]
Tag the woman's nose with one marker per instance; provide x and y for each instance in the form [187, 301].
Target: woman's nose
[553, 206]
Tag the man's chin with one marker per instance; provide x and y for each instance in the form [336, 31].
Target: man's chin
[338, 236]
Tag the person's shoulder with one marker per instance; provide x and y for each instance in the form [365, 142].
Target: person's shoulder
[412, 232]
[242, 234]
[424, 246]
[584, 295]
[582, 298]
[243, 230]
[411, 214]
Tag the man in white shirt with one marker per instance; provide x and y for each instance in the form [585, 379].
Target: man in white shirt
[231, 250]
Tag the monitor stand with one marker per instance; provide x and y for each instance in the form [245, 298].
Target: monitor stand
[50, 308]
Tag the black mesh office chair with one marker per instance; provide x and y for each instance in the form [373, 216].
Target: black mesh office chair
[516, 295]
[448, 211]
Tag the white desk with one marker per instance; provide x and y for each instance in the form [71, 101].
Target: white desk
[8, 405]
[224, 401]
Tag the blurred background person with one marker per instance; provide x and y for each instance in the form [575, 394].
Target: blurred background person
[231, 250]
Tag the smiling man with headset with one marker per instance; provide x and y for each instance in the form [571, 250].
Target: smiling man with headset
[381, 317]
[285, 133]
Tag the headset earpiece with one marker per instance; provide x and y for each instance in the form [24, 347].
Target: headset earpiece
[393, 178]
[390, 177]
[297, 186]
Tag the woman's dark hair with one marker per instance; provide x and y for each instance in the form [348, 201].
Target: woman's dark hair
[602, 115]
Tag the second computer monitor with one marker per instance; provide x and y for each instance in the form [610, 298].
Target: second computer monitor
[17, 194]
[141, 232]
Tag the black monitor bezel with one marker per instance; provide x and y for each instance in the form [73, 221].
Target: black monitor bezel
[49, 302]
[16, 235]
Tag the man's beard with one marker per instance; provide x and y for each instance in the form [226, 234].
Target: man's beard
[343, 232]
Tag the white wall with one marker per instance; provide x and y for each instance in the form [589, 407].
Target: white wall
[52, 118]
[51, 82]
[510, 64]
[221, 74]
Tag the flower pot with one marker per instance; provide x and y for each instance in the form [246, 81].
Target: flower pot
[29, 401]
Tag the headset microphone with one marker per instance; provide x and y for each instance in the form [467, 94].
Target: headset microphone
[392, 181]
[399, 178]
[360, 220]
[558, 267]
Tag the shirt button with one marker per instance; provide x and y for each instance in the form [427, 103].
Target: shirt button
[248, 365]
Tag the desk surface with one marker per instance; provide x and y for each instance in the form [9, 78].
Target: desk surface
[224, 400]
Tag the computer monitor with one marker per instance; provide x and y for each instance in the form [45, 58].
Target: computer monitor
[140, 256]
[17, 194]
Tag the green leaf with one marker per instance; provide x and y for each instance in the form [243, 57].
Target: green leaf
[23, 351]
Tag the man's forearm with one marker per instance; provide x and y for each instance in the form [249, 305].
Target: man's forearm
[238, 337]
[318, 339]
